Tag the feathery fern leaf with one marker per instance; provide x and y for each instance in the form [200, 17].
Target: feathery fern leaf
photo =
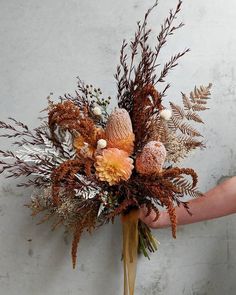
[201, 93]
[186, 102]
[89, 189]
[177, 111]
[48, 151]
[194, 117]
[69, 151]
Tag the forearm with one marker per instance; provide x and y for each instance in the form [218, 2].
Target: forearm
[219, 201]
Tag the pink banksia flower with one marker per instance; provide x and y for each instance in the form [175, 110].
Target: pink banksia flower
[151, 158]
[119, 131]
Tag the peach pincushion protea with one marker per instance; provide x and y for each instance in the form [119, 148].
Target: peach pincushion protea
[113, 165]
[151, 159]
[119, 131]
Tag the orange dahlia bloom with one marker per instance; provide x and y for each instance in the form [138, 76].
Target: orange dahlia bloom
[113, 165]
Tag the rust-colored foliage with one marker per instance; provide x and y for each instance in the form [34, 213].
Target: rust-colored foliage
[145, 100]
[172, 213]
[177, 172]
[87, 221]
[64, 173]
[167, 188]
[67, 115]
[76, 238]
[151, 207]
[122, 207]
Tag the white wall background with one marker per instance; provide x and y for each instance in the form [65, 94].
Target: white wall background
[44, 46]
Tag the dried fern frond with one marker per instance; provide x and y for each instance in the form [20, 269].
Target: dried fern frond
[184, 127]
[200, 94]
[177, 111]
[48, 151]
[158, 130]
[174, 182]
[186, 102]
[174, 172]
[190, 143]
[182, 117]
[186, 187]
[176, 148]
[193, 116]
[89, 189]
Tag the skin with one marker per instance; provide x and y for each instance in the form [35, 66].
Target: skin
[217, 202]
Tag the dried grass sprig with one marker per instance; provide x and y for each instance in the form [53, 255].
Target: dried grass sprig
[124, 74]
[19, 130]
[137, 76]
[169, 66]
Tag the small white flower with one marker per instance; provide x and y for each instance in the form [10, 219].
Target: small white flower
[166, 114]
[97, 111]
[101, 144]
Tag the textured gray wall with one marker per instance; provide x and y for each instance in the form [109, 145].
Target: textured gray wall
[44, 46]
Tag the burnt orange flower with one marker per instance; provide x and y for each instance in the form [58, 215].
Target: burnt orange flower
[113, 165]
[83, 148]
[86, 149]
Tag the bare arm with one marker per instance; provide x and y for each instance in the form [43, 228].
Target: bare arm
[217, 202]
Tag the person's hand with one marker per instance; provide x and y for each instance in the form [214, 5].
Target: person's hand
[217, 202]
[163, 220]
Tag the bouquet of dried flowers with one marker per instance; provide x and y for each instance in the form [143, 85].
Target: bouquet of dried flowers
[88, 166]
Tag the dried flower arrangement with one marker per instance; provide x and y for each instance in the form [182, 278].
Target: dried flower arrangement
[88, 166]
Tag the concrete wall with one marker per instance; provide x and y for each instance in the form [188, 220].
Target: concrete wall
[44, 46]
